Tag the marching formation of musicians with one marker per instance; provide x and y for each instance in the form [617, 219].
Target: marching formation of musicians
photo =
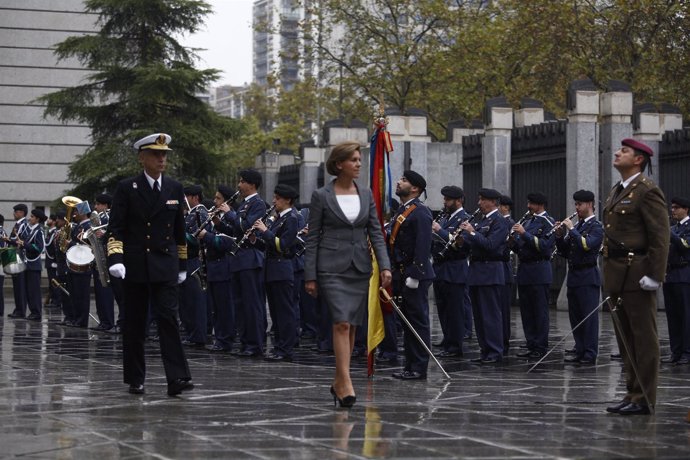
[192, 269]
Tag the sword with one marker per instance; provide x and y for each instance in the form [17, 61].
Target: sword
[613, 308]
[389, 299]
[568, 334]
[57, 284]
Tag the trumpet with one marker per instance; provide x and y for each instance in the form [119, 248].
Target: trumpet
[250, 231]
[522, 220]
[213, 212]
[453, 236]
[560, 224]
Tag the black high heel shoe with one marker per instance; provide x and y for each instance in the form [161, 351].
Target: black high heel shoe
[347, 401]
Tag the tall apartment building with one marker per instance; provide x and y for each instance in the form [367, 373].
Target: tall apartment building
[276, 40]
[35, 153]
[228, 100]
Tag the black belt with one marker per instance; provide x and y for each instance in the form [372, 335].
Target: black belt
[623, 253]
[486, 259]
[679, 265]
[582, 266]
[531, 261]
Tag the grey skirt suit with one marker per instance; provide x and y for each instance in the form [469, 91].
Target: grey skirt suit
[337, 253]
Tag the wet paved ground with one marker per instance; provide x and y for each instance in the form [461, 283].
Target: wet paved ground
[61, 396]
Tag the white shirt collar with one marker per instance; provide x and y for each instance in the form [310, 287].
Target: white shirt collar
[32, 227]
[630, 179]
[684, 220]
[285, 212]
[250, 196]
[495, 210]
[151, 180]
[589, 218]
[456, 211]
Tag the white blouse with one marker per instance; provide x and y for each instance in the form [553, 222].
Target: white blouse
[350, 206]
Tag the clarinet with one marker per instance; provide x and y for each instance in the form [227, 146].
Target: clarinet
[250, 231]
[203, 266]
[522, 220]
[213, 212]
[453, 236]
[560, 224]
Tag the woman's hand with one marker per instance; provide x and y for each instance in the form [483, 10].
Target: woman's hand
[312, 288]
[386, 278]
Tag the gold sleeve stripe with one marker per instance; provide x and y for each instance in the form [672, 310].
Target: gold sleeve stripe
[182, 251]
[114, 246]
[584, 244]
[685, 243]
[277, 240]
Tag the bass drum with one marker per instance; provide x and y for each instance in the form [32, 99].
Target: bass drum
[79, 258]
[12, 264]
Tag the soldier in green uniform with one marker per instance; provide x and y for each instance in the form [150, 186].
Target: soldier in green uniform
[635, 251]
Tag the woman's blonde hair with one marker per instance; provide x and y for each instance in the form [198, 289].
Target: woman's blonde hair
[341, 152]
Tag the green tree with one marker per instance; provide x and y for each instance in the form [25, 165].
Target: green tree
[143, 81]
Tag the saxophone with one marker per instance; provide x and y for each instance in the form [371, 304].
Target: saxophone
[98, 248]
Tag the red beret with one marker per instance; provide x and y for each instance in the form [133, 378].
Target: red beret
[632, 143]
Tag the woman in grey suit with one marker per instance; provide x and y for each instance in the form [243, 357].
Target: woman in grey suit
[337, 263]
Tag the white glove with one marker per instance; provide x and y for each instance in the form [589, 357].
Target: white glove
[648, 284]
[117, 270]
[53, 265]
[411, 283]
[181, 276]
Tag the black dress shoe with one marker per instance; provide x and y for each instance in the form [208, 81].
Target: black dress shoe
[571, 351]
[448, 354]
[189, 343]
[634, 409]
[617, 407]
[247, 354]
[16, 316]
[682, 361]
[33, 317]
[532, 354]
[571, 359]
[588, 361]
[490, 360]
[670, 359]
[215, 348]
[178, 386]
[409, 375]
[275, 357]
[136, 389]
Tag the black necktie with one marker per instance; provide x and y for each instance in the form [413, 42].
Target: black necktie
[156, 190]
[619, 190]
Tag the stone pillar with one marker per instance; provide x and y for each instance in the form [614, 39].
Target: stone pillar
[616, 125]
[531, 112]
[267, 163]
[498, 119]
[647, 129]
[312, 157]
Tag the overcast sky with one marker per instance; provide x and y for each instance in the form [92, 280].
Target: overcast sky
[227, 39]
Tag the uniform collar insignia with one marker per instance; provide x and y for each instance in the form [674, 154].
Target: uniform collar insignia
[134, 185]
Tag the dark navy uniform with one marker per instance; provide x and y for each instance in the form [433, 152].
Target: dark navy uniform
[450, 284]
[104, 295]
[507, 296]
[219, 289]
[55, 295]
[534, 278]
[148, 237]
[192, 297]
[279, 240]
[410, 258]
[581, 247]
[486, 280]
[34, 244]
[79, 282]
[677, 291]
[247, 280]
[18, 280]
[3, 244]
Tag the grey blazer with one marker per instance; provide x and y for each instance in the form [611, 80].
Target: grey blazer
[333, 243]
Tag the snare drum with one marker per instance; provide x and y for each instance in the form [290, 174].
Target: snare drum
[79, 258]
[12, 264]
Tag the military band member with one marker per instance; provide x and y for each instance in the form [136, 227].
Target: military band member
[505, 206]
[580, 244]
[219, 289]
[79, 276]
[636, 244]
[53, 298]
[677, 284]
[18, 280]
[192, 297]
[534, 247]
[247, 267]
[147, 248]
[410, 249]
[32, 243]
[104, 295]
[450, 267]
[486, 239]
[279, 238]
[3, 244]
[63, 271]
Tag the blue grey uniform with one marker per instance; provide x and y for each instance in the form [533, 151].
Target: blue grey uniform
[677, 291]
